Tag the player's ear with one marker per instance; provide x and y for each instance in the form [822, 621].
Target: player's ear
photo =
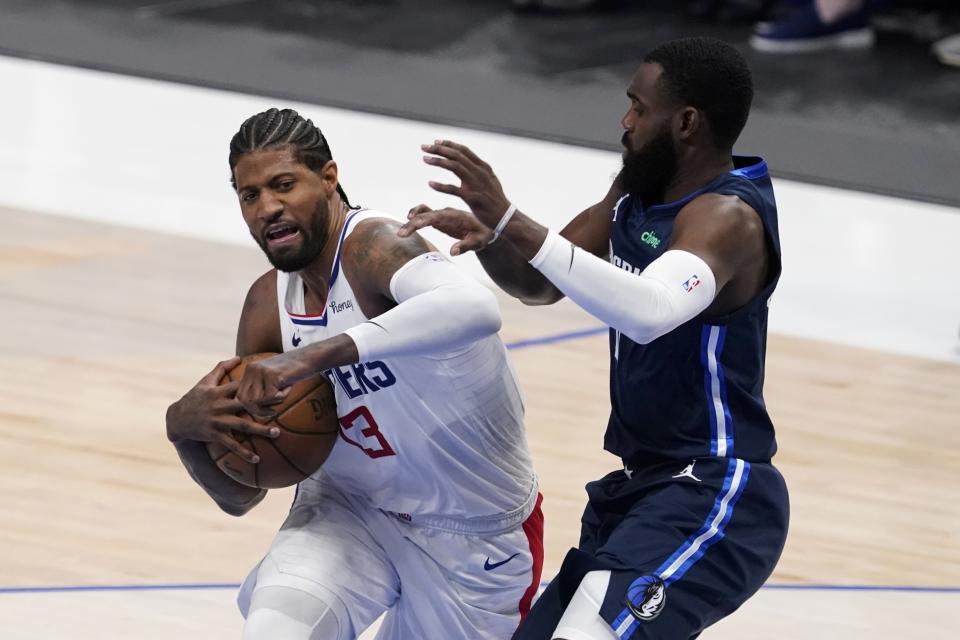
[688, 122]
[329, 175]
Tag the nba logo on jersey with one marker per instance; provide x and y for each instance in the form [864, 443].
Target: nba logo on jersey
[691, 283]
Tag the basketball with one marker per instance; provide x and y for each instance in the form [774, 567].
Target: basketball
[308, 425]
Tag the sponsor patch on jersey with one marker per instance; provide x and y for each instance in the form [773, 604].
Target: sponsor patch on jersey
[646, 597]
[692, 283]
[337, 307]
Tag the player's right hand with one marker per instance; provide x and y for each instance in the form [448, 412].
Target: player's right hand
[472, 235]
[479, 186]
[209, 412]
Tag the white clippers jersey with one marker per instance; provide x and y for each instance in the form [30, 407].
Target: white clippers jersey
[435, 437]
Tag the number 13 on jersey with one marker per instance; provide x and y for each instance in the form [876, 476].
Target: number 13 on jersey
[360, 429]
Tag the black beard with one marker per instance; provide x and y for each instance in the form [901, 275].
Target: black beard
[648, 171]
[314, 239]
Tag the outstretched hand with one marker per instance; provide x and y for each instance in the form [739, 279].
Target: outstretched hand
[470, 233]
[479, 186]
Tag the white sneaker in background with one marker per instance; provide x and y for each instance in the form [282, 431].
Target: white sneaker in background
[947, 50]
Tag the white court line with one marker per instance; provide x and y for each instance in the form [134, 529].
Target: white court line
[213, 615]
[174, 7]
[860, 269]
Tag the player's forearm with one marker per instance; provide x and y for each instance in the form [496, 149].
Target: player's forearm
[672, 290]
[336, 351]
[507, 262]
[439, 309]
[438, 321]
[513, 273]
[234, 498]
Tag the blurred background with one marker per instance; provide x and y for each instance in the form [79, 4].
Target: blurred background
[873, 103]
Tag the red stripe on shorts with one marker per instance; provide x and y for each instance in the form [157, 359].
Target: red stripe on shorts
[533, 527]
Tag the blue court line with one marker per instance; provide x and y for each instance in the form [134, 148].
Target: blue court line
[231, 585]
[862, 587]
[560, 337]
[123, 587]
[520, 344]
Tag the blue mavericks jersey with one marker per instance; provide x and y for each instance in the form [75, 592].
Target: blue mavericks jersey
[698, 390]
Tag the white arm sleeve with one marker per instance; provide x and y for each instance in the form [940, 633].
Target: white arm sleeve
[439, 308]
[673, 289]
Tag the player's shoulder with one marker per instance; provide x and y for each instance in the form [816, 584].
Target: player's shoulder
[375, 228]
[259, 326]
[264, 287]
[721, 212]
[262, 295]
[373, 252]
[374, 241]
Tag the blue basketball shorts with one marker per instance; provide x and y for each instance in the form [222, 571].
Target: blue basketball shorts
[686, 544]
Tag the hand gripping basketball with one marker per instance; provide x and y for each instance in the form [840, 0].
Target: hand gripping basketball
[307, 419]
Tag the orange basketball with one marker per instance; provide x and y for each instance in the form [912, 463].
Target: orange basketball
[307, 419]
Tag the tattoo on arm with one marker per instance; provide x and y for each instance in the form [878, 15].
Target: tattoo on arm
[374, 252]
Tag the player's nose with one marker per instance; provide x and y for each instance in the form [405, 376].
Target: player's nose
[270, 207]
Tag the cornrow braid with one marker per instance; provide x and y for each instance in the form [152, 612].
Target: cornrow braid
[276, 128]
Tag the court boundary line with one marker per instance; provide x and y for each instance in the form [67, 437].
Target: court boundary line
[515, 345]
[558, 337]
[211, 586]
[177, 78]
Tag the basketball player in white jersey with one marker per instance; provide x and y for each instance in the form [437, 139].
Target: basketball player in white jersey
[427, 508]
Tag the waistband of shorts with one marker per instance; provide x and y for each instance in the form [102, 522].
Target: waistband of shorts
[653, 466]
[483, 525]
[650, 463]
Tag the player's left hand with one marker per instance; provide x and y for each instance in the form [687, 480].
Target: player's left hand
[479, 186]
[267, 382]
[470, 233]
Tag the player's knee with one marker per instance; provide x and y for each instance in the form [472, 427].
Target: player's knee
[594, 585]
[292, 614]
[267, 623]
[581, 619]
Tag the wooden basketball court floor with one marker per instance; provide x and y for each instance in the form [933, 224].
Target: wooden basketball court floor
[104, 536]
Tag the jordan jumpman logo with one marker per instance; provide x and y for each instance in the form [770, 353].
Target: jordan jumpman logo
[688, 472]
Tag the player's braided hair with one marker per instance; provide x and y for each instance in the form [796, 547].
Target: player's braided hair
[276, 128]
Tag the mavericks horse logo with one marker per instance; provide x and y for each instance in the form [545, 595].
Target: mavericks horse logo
[646, 598]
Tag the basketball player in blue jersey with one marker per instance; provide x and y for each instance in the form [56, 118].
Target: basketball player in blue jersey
[427, 508]
[679, 259]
